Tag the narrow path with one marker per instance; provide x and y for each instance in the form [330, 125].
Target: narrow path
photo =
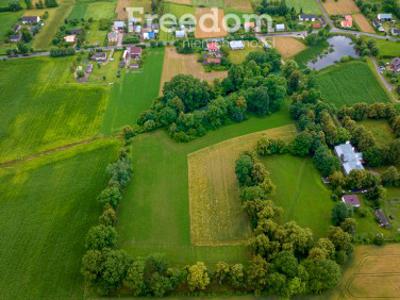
[13, 162]
[385, 82]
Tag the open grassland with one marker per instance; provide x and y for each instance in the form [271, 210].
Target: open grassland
[178, 10]
[381, 131]
[287, 46]
[40, 110]
[175, 63]
[373, 274]
[340, 7]
[100, 10]
[239, 56]
[388, 49]
[7, 21]
[308, 6]
[135, 93]
[154, 214]
[349, 83]
[239, 5]
[47, 207]
[56, 18]
[122, 4]
[208, 24]
[363, 23]
[216, 215]
[300, 192]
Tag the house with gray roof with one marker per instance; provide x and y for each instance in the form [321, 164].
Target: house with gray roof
[349, 158]
[384, 17]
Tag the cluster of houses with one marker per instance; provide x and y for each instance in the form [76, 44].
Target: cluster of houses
[316, 21]
[132, 57]
[381, 19]
[33, 23]
[351, 160]
[146, 32]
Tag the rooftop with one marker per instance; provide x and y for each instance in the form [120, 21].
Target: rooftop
[350, 159]
[351, 200]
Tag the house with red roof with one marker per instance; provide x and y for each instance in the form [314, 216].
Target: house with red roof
[347, 22]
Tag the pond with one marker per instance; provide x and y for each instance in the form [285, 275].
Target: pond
[340, 46]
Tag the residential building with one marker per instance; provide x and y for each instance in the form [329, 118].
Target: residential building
[395, 31]
[384, 17]
[179, 34]
[212, 47]
[112, 38]
[29, 20]
[119, 26]
[307, 18]
[99, 57]
[149, 35]
[351, 200]
[347, 22]
[132, 52]
[378, 25]
[76, 31]
[349, 158]
[70, 39]
[395, 65]
[236, 45]
[280, 27]
[15, 38]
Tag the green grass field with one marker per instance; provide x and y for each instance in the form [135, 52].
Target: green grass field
[239, 56]
[300, 192]
[41, 110]
[135, 93]
[381, 131]
[154, 215]
[308, 6]
[47, 207]
[178, 10]
[387, 48]
[350, 83]
[100, 10]
[7, 21]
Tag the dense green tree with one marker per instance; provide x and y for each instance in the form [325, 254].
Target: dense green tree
[108, 217]
[301, 145]
[322, 275]
[244, 168]
[134, 280]
[340, 212]
[100, 237]
[390, 177]
[198, 278]
[257, 274]
[110, 195]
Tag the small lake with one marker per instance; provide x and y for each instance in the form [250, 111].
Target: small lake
[341, 46]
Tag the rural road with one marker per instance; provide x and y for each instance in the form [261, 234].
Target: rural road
[386, 83]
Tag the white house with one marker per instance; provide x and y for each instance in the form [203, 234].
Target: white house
[70, 39]
[119, 25]
[30, 19]
[349, 158]
[280, 27]
[236, 45]
[384, 17]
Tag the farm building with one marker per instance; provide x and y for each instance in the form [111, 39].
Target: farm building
[351, 200]
[347, 22]
[395, 65]
[99, 57]
[378, 26]
[307, 18]
[384, 17]
[349, 158]
[30, 20]
[70, 39]
[381, 218]
[280, 27]
[236, 45]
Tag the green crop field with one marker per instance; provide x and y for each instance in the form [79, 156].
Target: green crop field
[47, 207]
[308, 6]
[47, 110]
[135, 93]
[349, 83]
[154, 215]
[300, 192]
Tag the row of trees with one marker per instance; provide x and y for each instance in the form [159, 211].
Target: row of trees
[286, 259]
[190, 107]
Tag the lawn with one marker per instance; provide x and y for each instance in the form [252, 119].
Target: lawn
[308, 6]
[239, 56]
[45, 111]
[7, 21]
[388, 49]
[135, 93]
[349, 83]
[47, 207]
[56, 18]
[300, 192]
[178, 10]
[100, 10]
[381, 131]
[94, 36]
[216, 214]
[154, 215]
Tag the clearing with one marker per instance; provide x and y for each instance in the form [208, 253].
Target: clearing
[134, 93]
[216, 215]
[243, 6]
[154, 215]
[48, 205]
[372, 274]
[349, 83]
[387, 49]
[175, 63]
[239, 56]
[380, 129]
[363, 23]
[340, 7]
[308, 6]
[49, 109]
[300, 192]
[122, 4]
[206, 28]
[288, 46]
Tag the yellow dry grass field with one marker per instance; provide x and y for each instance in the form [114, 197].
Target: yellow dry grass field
[340, 7]
[373, 274]
[287, 46]
[213, 27]
[363, 23]
[183, 2]
[123, 4]
[216, 216]
[175, 63]
[239, 5]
